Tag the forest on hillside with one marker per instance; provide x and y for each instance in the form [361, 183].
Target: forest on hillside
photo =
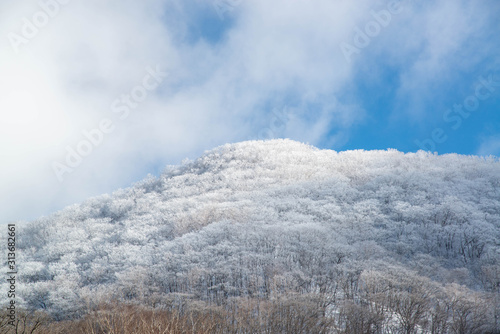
[280, 237]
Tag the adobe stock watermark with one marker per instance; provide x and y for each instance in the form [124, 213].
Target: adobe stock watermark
[277, 124]
[363, 37]
[32, 26]
[122, 106]
[460, 112]
[224, 6]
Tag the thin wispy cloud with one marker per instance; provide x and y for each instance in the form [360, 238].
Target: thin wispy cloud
[490, 146]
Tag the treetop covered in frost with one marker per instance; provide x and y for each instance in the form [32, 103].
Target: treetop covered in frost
[243, 215]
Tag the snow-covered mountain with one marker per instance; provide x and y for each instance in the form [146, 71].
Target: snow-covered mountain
[260, 219]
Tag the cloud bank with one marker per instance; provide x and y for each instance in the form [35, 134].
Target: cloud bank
[261, 69]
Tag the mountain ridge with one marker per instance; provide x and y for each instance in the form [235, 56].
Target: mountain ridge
[209, 228]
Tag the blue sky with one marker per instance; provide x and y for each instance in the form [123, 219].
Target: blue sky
[134, 86]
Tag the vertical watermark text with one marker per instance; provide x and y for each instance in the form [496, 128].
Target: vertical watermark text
[11, 273]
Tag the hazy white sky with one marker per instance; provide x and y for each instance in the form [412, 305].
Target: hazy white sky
[165, 80]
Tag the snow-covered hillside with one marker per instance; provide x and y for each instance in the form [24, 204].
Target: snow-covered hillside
[264, 218]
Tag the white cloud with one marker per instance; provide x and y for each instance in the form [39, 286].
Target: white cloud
[490, 146]
[219, 89]
[440, 45]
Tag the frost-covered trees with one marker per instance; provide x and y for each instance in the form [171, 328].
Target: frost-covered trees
[276, 219]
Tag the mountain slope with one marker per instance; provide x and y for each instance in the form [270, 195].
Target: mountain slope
[258, 219]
